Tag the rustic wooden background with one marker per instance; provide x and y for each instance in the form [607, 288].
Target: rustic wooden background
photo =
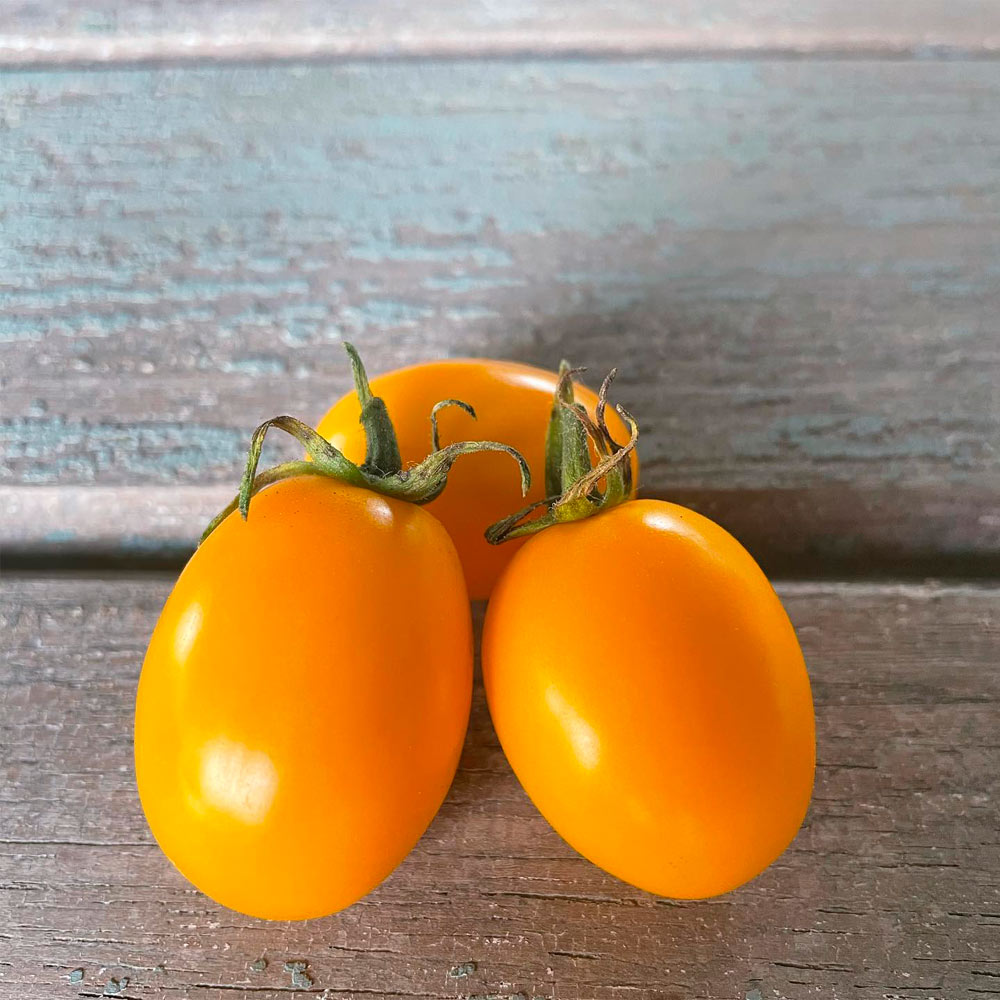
[782, 220]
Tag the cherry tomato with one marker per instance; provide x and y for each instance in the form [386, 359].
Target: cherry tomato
[512, 403]
[650, 694]
[304, 699]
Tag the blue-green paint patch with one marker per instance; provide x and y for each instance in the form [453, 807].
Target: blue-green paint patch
[95, 23]
[144, 545]
[268, 265]
[384, 312]
[200, 290]
[377, 253]
[60, 537]
[462, 283]
[255, 366]
[864, 437]
[54, 450]
[76, 296]
[300, 977]
[14, 329]
[469, 314]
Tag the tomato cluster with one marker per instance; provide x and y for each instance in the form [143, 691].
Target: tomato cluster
[304, 699]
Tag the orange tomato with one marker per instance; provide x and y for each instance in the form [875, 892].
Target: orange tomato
[304, 699]
[512, 403]
[650, 694]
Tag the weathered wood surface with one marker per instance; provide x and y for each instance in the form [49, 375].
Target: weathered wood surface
[892, 890]
[112, 31]
[830, 531]
[794, 263]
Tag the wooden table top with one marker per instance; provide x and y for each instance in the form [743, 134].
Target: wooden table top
[780, 220]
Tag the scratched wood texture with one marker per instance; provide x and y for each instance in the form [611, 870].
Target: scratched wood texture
[892, 889]
[61, 31]
[795, 264]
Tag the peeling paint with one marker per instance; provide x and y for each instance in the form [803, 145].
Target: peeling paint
[300, 977]
[788, 255]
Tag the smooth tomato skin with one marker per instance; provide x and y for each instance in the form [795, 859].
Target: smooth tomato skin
[512, 403]
[304, 699]
[650, 694]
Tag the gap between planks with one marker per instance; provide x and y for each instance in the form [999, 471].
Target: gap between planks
[823, 532]
[108, 32]
[25, 53]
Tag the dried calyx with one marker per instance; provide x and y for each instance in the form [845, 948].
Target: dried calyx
[382, 470]
[572, 480]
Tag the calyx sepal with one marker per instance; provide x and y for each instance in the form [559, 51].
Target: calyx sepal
[382, 470]
[572, 480]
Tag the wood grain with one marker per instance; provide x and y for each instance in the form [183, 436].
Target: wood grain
[892, 889]
[826, 532]
[795, 264]
[63, 31]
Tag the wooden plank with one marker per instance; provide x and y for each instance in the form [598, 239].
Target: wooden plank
[794, 263]
[112, 31]
[892, 889]
[827, 531]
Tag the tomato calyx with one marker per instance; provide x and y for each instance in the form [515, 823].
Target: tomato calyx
[382, 470]
[572, 480]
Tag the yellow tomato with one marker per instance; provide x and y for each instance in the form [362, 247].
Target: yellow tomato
[304, 699]
[650, 694]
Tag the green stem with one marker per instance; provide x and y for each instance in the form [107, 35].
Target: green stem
[382, 456]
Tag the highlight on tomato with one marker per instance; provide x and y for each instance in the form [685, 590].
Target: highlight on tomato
[644, 679]
[511, 403]
[306, 691]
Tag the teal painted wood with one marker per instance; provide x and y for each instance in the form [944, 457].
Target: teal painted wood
[795, 264]
[112, 31]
